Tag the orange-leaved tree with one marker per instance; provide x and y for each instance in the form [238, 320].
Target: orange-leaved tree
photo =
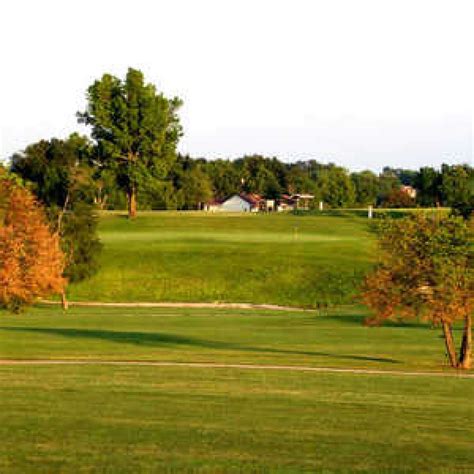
[426, 270]
[31, 261]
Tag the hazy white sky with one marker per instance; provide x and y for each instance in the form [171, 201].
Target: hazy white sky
[364, 83]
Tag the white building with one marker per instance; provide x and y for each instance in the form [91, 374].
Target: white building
[239, 203]
[236, 203]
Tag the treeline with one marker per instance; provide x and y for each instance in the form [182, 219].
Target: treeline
[67, 169]
[193, 181]
[131, 161]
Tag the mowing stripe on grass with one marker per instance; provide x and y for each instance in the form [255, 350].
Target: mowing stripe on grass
[210, 365]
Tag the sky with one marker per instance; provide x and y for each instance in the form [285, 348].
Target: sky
[363, 83]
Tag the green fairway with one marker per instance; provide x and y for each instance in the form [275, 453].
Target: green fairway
[122, 419]
[336, 338]
[280, 259]
[132, 418]
[138, 419]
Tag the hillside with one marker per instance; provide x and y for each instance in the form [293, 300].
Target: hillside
[273, 258]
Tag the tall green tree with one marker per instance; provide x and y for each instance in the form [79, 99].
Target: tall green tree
[225, 178]
[336, 187]
[196, 188]
[457, 186]
[388, 181]
[406, 177]
[427, 183]
[366, 184]
[57, 169]
[136, 128]
[299, 181]
[258, 176]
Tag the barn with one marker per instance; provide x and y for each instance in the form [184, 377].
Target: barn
[241, 203]
[236, 203]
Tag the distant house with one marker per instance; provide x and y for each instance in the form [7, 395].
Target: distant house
[236, 203]
[409, 191]
[249, 202]
[285, 203]
[303, 201]
[295, 201]
[267, 205]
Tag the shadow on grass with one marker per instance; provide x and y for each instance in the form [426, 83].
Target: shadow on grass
[162, 339]
[358, 320]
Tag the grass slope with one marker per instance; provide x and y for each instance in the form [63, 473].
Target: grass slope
[279, 259]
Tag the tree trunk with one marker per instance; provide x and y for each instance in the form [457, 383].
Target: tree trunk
[62, 212]
[132, 202]
[64, 302]
[465, 356]
[448, 339]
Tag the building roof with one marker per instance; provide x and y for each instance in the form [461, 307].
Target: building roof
[252, 199]
[255, 199]
[303, 196]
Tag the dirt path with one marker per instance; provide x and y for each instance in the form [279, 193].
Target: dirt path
[209, 365]
[98, 304]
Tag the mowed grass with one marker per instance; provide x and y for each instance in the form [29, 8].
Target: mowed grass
[128, 419]
[125, 418]
[333, 338]
[276, 258]
[142, 419]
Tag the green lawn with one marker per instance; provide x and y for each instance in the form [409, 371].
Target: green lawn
[122, 418]
[125, 419]
[280, 259]
[142, 419]
[335, 338]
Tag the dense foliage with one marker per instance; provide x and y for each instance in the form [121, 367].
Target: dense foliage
[31, 261]
[136, 131]
[189, 182]
[193, 181]
[80, 242]
[426, 270]
[63, 179]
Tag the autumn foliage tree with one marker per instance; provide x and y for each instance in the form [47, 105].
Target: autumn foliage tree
[397, 199]
[31, 261]
[60, 175]
[426, 271]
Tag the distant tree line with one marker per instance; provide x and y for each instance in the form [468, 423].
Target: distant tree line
[63, 169]
[131, 161]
